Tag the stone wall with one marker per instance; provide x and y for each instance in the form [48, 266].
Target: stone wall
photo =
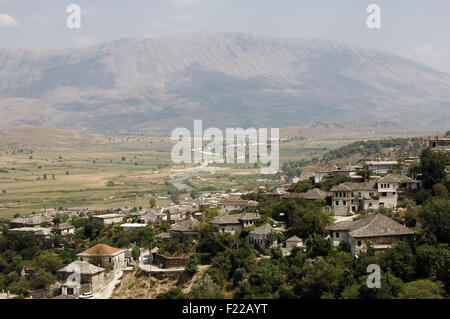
[170, 262]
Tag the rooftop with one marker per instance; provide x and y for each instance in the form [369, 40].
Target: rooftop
[100, 249]
[262, 230]
[374, 225]
[106, 216]
[83, 267]
[189, 224]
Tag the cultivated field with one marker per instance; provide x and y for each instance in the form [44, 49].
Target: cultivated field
[122, 171]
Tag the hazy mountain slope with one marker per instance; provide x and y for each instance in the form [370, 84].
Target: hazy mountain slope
[32, 137]
[226, 79]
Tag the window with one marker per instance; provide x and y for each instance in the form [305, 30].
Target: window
[337, 203]
[344, 202]
[370, 204]
[337, 234]
[359, 243]
[384, 194]
[353, 209]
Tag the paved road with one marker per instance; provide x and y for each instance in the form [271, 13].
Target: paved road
[107, 291]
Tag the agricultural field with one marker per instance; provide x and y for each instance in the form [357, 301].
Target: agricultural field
[122, 171]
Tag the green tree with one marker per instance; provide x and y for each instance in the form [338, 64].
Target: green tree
[432, 167]
[422, 289]
[136, 253]
[435, 217]
[317, 246]
[205, 288]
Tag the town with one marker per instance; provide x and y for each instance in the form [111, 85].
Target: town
[261, 243]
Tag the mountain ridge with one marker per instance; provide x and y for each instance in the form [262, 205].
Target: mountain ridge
[226, 79]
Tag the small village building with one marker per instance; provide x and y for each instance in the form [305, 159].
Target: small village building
[39, 232]
[151, 216]
[260, 238]
[320, 175]
[314, 194]
[108, 219]
[63, 229]
[235, 223]
[185, 229]
[230, 205]
[104, 255]
[376, 230]
[30, 221]
[349, 198]
[439, 142]
[380, 167]
[131, 227]
[289, 244]
[80, 277]
[176, 214]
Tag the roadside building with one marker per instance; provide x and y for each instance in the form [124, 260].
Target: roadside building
[80, 277]
[104, 255]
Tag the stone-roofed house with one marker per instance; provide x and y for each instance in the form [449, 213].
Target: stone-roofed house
[30, 221]
[177, 213]
[376, 230]
[289, 244]
[63, 229]
[346, 197]
[80, 277]
[152, 215]
[350, 198]
[259, 237]
[230, 205]
[314, 194]
[104, 255]
[234, 224]
[184, 229]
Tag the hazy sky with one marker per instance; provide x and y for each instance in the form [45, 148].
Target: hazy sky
[416, 29]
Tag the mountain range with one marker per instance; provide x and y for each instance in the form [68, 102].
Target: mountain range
[152, 86]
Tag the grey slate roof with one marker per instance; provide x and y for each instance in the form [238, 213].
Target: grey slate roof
[265, 229]
[374, 225]
[352, 187]
[235, 218]
[189, 224]
[63, 226]
[294, 239]
[315, 193]
[163, 235]
[395, 178]
[84, 267]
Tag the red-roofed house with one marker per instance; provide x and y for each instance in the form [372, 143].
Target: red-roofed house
[103, 255]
